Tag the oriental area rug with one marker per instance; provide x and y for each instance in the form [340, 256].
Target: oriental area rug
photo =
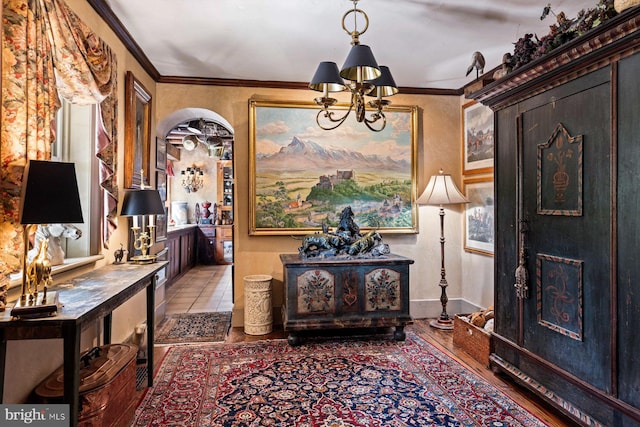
[193, 327]
[346, 383]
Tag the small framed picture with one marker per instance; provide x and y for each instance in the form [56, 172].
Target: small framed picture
[161, 154]
[161, 220]
[479, 227]
[477, 138]
[161, 226]
[161, 185]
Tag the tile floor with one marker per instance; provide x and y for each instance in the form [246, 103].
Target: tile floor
[203, 288]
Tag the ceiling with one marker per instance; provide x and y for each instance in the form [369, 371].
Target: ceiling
[427, 44]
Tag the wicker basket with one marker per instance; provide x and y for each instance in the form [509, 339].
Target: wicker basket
[472, 339]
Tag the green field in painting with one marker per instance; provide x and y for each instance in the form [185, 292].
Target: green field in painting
[278, 195]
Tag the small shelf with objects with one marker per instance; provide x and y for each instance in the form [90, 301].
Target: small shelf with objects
[216, 226]
[225, 191]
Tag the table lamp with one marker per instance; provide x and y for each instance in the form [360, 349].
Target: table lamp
[49, 196]
[440, 191]
[142, 202]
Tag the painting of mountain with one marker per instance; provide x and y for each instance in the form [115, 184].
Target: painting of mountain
[308, 155]
[303, 176]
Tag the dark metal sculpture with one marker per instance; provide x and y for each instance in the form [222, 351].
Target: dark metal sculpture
[346, 241]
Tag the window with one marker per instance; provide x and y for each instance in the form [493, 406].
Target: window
[75, 143]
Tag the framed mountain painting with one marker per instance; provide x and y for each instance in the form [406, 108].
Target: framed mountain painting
[302, 177]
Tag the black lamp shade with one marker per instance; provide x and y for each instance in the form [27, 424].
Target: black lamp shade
[360, 56]
[142, 202]
[50, 194]
[385, 85]
[327, 75]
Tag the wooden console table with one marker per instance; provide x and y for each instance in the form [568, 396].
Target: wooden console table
[85, 299]
[353, 293]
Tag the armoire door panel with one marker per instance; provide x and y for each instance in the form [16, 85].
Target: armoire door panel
[566, 146]
[628, 226]
[506, 249]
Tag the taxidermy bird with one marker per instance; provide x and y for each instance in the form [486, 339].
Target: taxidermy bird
[477, 62]
[545, 12]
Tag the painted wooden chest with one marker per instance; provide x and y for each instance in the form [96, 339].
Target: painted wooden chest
[345, 293]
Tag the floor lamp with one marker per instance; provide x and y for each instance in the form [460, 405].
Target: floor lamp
[440, 191]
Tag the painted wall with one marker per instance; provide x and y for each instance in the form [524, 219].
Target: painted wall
[439, 146]
[470, 276]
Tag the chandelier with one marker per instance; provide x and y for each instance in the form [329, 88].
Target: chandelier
[192, 179]
[365, 77]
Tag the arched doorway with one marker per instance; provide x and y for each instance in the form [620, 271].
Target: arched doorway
[200, 195]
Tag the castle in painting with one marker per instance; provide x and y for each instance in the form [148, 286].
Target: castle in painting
[327, 182]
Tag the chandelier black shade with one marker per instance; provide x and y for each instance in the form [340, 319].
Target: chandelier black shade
[327, 77]
[384, 85]
[360, 64]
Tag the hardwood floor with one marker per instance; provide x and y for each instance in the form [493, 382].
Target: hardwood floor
[443, 340]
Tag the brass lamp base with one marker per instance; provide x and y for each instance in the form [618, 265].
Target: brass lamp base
[445, 324]
[144, 259]
[37, 307]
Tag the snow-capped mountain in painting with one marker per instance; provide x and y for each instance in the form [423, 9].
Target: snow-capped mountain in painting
[308, 155]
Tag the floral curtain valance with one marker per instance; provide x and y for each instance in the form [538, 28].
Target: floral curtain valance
[47, 50]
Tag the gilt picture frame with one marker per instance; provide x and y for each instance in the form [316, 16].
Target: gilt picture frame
[478, 136]
[137, 133]
[302, 177]
[479, 227]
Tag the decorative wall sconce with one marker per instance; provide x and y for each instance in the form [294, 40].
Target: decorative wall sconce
[142, 202]
[192, 179]
[49, 196]
[365, 77]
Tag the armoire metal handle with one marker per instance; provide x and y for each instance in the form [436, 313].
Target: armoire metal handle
[522, 275]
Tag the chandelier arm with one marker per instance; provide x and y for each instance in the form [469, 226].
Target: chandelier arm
[374, 118]
[329, 115]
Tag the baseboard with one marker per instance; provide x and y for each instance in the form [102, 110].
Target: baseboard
[419, 309]
[430, 309]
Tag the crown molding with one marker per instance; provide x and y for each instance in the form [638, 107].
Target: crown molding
[106, 13]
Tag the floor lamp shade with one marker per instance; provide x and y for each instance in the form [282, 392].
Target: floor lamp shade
[50, 194]
[441, 190]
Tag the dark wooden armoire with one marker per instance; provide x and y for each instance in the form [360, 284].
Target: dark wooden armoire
[567, 248]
